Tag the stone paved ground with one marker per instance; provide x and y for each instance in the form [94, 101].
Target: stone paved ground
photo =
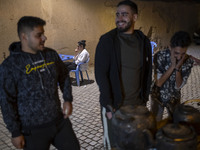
[86, 114]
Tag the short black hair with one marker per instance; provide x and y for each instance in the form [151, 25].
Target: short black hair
[82, 42]
[180, 39]
[29, 22]
[131, 4]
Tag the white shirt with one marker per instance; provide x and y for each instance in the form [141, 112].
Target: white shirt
[82, 57]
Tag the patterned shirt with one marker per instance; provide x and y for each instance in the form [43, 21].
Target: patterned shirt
[169, 89]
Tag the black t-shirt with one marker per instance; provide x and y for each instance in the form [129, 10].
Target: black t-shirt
[131, 68]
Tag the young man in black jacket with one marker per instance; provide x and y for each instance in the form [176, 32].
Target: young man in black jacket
[29, 92]
[123, 66]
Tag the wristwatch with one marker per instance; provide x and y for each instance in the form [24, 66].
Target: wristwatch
[178, 69]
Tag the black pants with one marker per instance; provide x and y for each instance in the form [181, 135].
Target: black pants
[70, 65]
[157, 109]
[60, 135]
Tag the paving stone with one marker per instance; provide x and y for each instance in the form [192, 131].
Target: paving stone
[86, 133]
[81, 131]
[92, 126]
[93, 143]
[83, 137]
[88, 140]
[84, 145]
[96, 138]
[90, 136]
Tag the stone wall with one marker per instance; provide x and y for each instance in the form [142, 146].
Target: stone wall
[69, 21]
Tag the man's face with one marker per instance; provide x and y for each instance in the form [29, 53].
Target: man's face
[125, 19]
[79, 47]
[179, 52]
[36, 39]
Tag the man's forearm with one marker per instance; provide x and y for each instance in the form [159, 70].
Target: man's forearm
[179, 79]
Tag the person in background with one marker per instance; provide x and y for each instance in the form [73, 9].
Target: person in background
[123, 66]
[172, 69]
[29, 98]
[81, 56]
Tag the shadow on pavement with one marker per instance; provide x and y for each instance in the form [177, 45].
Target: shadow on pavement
[84, 82]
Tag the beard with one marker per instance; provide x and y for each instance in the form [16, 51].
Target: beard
[126, 27]
[36, 47]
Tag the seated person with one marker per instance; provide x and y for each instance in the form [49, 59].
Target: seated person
[81, 56]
